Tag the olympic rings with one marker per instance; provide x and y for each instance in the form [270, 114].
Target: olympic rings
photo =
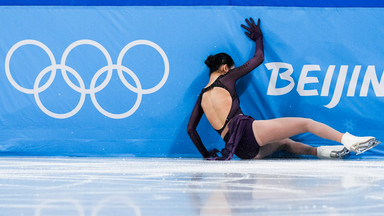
[93, 89]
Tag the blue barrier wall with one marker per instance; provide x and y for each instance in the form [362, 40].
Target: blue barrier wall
[122, 81]
[279, 3]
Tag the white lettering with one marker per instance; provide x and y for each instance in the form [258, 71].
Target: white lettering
[339, 87]
[305, 80]
[275, 67]
[371, 77]
[327, 80]
[353, 82]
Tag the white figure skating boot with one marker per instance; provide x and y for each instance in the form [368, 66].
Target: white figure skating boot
[359, 144]
[332, 152]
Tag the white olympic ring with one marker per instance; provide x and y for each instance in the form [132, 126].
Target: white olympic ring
[59, 203]
[93, 89]
[113, 200]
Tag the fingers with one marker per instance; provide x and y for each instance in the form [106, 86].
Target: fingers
[252, 30]
[245, 27]
[251, 23]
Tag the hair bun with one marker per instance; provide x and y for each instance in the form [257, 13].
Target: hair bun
[215, 61]
[210, 61]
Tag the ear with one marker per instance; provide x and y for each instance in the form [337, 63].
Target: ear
[224, 68]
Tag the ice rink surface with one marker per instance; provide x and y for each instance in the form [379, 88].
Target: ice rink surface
[155, 186]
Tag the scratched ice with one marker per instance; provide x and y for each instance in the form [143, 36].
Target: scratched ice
[131, 186]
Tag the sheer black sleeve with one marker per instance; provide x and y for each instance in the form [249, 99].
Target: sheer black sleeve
[194, 120]
[251, 64]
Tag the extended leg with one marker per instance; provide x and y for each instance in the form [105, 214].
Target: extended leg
[287, 145]
[269, 131]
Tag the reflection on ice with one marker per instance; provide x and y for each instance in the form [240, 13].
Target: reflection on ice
[299, 187]
[120, 186]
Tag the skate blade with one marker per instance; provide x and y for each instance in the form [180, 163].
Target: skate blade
[363, 147]
[340, 154]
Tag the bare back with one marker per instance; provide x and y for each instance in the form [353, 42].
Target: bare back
[216, 104]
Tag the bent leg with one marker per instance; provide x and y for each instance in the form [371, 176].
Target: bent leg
[287, 145]
[274, 130]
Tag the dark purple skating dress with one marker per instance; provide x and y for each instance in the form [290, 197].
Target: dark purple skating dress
[239, 139]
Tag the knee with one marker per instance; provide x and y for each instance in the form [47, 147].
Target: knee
[308, 124]
[285, 144]
[289, 145]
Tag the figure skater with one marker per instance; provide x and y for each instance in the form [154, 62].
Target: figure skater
[255, 139]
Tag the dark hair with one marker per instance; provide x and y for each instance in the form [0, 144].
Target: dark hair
[215, 61]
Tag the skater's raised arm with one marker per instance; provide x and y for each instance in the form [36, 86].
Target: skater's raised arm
[253, 31]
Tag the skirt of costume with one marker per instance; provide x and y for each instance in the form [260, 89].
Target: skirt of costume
[239, 139]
